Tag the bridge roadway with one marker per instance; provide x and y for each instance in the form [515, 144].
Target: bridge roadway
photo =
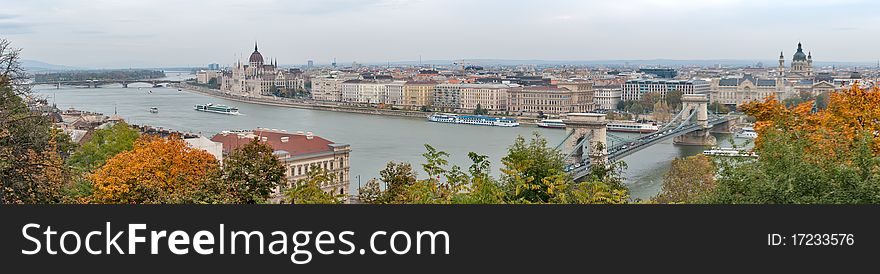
[95, 83]
[618, 150]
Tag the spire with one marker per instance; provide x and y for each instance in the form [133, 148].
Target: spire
[780, 55]
[809, 55]
[255, 45]
[799, 46]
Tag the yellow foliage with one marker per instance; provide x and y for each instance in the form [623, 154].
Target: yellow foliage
[850, 113]
[157, 170]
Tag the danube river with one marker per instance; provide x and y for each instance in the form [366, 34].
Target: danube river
[374, 140]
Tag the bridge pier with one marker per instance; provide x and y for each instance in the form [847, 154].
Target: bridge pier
[698, 103]
[586, 125]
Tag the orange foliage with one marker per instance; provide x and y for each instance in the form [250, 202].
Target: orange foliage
[850, 114]
[157, 170]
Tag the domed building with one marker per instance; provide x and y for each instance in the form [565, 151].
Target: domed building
[256, 78]
[801, 64]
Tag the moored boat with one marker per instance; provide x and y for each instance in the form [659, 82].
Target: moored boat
[747, 133]
[634, 127]
[154, 110]
[551, 123]
[729, 152]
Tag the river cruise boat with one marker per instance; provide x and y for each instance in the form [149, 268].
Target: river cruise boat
[154, 110]
[633, 127]
[729, 152]
[551, 123]
[747, 133]
[473, 120]
[222, 109]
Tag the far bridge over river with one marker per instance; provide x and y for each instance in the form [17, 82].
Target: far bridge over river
[98, 83]
[587, 142]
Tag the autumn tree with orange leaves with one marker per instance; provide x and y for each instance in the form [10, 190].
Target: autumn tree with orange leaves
[158, 170]
[808, 154]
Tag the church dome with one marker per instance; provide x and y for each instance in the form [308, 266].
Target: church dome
[799, 55]
[256, 57]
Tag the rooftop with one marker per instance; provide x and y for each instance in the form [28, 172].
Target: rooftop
[281, 141]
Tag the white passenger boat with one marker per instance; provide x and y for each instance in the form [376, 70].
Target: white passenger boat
[551, 123]
[473, 120]
[222, 109]
[635, 127]
[747, 133]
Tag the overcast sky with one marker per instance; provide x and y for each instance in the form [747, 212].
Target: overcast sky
[177, 33]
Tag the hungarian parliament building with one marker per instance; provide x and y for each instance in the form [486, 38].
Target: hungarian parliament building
[256, 78]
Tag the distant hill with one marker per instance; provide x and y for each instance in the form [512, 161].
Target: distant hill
[38, 66]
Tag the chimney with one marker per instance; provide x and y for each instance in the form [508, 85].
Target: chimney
[284, 139]
[309, 135]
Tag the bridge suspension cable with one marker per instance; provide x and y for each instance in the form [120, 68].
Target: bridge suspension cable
[564, 139]
[579, 145]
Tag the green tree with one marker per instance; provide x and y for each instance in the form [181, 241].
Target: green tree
[480, 110]
[688, 180]
[718, 107]
[104, 144]
[397, 177]
[648, 100]
[673, 99]
[532, 171]
[308, 190]
[252, 173]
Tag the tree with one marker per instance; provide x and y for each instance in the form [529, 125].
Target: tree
[308, 190]
[648, 100]
[31, 163]
[826, 156]
[158, 170]
[688, 180]
[532, 171]
[718, 107]
[661, 112]
[673, 99]
[396, 176]
[12, 73]
[252, 173]
[483, 189]
[480, 110]
[104, 144]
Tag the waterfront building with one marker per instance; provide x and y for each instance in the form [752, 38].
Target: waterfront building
[206, 76]
[632, 90]
[552, 100]
[492, 97]
[328, 87]
[581, 95]
[447, 97]
[606, 96]
[363, 91]
[417, 94]
[735, 91]
[394, 93]
[257, 78]
[213, 66]
[299, 153]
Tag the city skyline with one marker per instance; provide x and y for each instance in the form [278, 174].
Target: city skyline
[151, 33]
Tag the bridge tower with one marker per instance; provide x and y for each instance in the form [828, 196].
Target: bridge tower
[698, 103]
[579, 126]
